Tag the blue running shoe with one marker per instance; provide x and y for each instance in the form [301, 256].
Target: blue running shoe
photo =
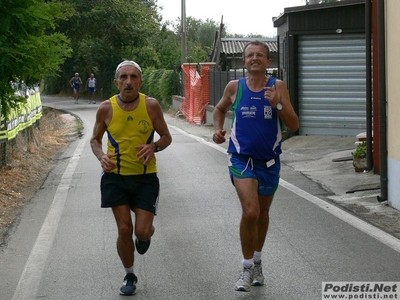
[142, 246]
[129, 285]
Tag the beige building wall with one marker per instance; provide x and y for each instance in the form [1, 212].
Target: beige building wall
[392, 9]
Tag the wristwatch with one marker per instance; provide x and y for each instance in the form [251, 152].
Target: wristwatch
[279, 106]
[157, 147]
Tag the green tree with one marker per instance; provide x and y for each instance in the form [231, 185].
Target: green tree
[200, 37]
[104, 32]
[30, 46]
[168, 46]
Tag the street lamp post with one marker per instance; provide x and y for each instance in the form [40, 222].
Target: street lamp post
[183, 31]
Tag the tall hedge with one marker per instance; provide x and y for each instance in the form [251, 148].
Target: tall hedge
[159, 84]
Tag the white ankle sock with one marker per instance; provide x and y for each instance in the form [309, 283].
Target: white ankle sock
[129, 270]
[248, 262]
[257, 257]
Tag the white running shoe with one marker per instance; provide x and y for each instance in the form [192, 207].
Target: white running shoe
[245, 280]
[258, 277]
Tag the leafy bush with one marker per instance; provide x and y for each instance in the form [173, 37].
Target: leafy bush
[160, 85]
[361, 150]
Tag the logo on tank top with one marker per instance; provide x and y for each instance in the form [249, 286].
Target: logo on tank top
[267, 112]
[249, 112]
[144, 127]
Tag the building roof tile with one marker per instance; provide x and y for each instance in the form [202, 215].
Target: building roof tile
[231, 46]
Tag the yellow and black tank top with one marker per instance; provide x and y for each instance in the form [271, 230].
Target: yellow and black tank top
[127, 130]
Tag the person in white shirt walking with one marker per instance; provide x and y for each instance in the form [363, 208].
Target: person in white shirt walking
[91, 88]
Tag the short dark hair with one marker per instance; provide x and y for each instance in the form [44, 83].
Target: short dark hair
[256, 43]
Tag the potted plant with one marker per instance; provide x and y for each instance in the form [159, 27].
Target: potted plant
[360, 157]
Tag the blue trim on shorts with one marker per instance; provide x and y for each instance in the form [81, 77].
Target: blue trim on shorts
[266, 173]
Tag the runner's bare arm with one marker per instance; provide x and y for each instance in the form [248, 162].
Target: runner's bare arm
[221, 109]
[100, 126]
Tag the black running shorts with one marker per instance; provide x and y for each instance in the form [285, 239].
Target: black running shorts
[139, 191]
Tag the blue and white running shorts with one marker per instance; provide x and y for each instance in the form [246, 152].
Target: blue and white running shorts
[267, 173]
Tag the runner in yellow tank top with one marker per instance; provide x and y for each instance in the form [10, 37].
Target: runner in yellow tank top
[127, 130]
[129, 180]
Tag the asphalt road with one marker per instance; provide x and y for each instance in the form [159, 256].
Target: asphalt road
[64, 245]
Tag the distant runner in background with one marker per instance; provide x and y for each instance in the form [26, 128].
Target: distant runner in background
[91, 88]
[75, 83]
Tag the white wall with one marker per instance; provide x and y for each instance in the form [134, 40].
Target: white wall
[392, 9]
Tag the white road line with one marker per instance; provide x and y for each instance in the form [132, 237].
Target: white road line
[32, 274]
[354, 221]
[365, 227]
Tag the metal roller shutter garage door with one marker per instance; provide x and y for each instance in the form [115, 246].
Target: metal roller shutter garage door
[332, 84]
